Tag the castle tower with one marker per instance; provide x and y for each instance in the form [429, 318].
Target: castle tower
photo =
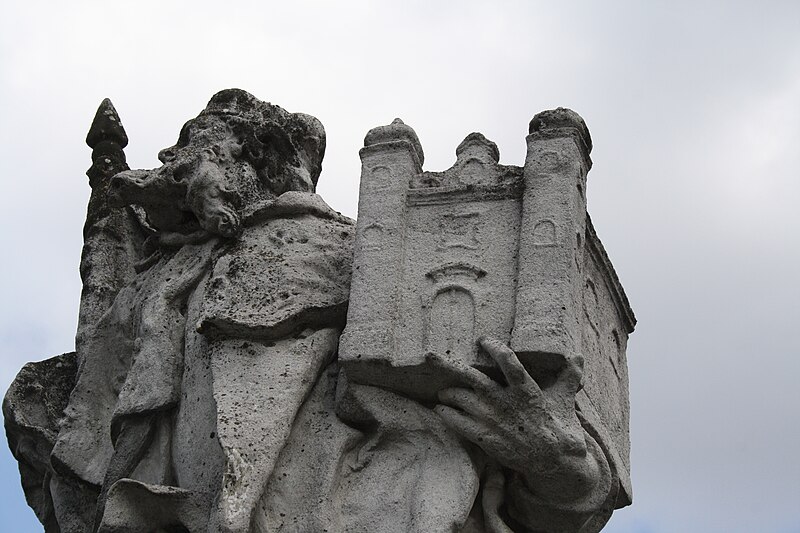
[391, 157]
[549, 302]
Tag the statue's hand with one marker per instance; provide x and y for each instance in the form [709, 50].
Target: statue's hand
[532, 430]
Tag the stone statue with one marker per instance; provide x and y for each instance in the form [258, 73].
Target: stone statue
[480, 384]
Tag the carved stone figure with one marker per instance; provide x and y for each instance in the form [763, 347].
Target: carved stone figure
[481, 381]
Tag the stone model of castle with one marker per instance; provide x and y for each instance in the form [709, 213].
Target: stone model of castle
[442, 258]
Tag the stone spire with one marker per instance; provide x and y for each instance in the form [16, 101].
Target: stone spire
[106, 126]
[112, 237]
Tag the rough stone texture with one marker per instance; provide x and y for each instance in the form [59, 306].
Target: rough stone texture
[209, 392]
[32, 407]
[113, 238]
[484, 249]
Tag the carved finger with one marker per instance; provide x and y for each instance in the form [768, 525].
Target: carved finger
[462, 372]
[507, 360]
[467, 401]
[462, 424]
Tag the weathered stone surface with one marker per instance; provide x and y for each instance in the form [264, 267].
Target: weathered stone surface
[32, 408]
[484, 249]
[209, 392]
[309, 256]
[113, 238]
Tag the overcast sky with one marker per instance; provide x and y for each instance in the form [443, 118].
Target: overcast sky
[694, 108]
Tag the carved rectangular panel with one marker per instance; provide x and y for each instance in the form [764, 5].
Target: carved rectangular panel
[459, 278]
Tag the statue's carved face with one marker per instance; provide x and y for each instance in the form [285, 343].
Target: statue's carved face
[238, 152]
[201, 184]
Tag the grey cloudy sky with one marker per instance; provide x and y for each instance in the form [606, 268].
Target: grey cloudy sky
[694, 108]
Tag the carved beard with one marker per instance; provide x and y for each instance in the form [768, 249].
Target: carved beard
[189, 195]
[220, 168]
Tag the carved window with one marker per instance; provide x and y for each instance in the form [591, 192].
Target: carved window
[544, 233]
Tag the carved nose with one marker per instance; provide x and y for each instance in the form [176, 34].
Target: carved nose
[121, 185]
[166, 155]
[116, 183]
[115, 189]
